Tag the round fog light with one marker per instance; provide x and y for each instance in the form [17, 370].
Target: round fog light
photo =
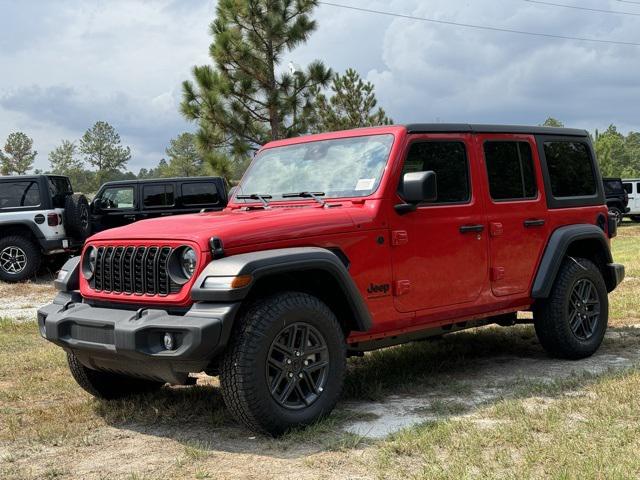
[169, 343]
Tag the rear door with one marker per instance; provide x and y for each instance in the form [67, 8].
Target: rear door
[158, 199]
[440, 249]
[516, 210]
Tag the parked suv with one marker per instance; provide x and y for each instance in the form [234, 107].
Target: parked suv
[616, 197]
[632, 187]
[340, 243]
[123, 202]
[39, 216]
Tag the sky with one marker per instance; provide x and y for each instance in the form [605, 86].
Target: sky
[66, 64]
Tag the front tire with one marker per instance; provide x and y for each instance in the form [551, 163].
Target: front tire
[20, 258]
[106, 385]
[571, 323]
[285, 364]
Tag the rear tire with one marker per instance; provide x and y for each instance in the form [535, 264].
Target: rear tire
[20, 258]
[571, 323]
[106, 385]
[76, 216]
[285, 364]
[617, 213]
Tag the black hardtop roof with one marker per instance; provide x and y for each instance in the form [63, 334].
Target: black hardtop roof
[481, 128]
[30, 177]
[155, 180]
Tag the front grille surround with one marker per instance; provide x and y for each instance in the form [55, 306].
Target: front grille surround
[134, 270]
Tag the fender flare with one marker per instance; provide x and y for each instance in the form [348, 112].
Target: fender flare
[267, 262]
[556, 249]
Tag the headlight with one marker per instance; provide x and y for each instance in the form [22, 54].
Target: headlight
[182, 264]
[89, 262]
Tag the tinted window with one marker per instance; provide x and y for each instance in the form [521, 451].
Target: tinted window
[570, 169]
[613, 187]
[199, 194]
[158, 195]
[19, 194]
[60, 188]
[628, 187]
[117, 197]
[449, 161]
[510, 170]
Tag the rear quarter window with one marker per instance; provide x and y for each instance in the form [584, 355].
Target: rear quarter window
[570, 168]
[19, 194]
[199, 194]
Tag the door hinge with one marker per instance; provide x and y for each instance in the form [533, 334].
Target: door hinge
[399, 237]
[401, 287]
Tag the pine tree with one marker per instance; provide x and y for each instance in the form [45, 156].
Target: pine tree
[101, 147]
[552, 122]
[63, 159]
[184, 159]
[242, 101]
[352, 104]
[18, 155]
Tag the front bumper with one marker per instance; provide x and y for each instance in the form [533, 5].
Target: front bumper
[131, 342]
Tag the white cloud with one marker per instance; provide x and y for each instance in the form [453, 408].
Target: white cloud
[66, 64]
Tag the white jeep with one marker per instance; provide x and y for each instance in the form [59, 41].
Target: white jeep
[39, 216]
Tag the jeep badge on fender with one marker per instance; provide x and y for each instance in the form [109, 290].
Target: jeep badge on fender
[483, 222]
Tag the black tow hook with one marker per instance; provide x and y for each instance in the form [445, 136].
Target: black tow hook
[139, 313]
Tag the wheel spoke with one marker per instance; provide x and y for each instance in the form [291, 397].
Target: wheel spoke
[276, 382]
[286, 393]
[309, 381]
[301, 394]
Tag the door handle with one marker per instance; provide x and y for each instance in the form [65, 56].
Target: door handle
[536, 222]
[471, 228]
[129, 217]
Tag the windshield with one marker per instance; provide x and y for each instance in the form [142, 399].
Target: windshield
[345, 167]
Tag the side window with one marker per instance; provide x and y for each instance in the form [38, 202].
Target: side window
[510, 170]
[158, 195]
[117, 197]
[19, 194]
[199, 194]
[60, 188]
[448, 159]
[570, 168]
[628, 187]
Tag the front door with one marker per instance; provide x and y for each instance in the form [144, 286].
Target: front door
[516, 210]
[440, 249]
[115, 207]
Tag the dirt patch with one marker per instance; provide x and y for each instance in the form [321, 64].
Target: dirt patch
[494, 378]
[20, 301]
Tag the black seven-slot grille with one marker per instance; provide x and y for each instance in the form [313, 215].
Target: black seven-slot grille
[141, 270]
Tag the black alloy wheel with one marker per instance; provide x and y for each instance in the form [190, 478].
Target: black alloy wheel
[584, 309]
[297, 366]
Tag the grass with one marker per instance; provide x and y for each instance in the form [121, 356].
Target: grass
[592, 435]
[578, 426]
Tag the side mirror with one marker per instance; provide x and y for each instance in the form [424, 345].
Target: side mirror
[417, 187]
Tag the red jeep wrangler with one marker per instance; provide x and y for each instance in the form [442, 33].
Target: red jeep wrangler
[340, 243]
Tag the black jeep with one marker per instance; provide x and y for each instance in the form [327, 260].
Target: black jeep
[122, 202]
[617, 198]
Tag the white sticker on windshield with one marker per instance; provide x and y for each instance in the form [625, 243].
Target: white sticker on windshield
[365, 183]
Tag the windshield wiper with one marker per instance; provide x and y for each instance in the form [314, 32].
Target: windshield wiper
[315, 195]
[256, 196]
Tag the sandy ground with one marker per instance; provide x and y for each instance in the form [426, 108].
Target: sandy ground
[20, 301]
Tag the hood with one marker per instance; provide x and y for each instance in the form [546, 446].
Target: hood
[237, 227]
